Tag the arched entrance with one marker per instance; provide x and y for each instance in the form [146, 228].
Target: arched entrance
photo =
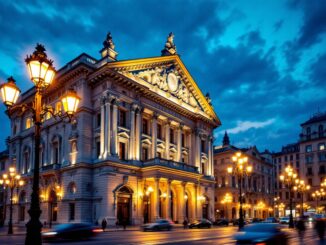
[53, 207]
[124, 197]
[205, 208]
[21, 211]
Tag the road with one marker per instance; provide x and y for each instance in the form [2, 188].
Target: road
[222, 235]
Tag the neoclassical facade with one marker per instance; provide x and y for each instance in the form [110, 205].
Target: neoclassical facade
[140, 147]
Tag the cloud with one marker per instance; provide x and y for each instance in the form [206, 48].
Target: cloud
[243, 126]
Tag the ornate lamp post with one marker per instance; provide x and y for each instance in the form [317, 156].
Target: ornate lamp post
[241, 169]
[41, 73]
[289, 179]
[11, 180]
[301, 187]
[318, 195]
[226, 199]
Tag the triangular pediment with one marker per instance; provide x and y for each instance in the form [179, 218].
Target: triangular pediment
[168, 77]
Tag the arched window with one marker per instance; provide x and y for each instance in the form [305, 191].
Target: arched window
[26, 161]
[321, 131]
[72, 188]
[56, 150]
[28, 123]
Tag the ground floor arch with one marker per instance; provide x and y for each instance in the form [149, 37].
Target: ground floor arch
[124, 202]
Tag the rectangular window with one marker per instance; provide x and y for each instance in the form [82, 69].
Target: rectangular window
[287, 195]
[310, 181]
[297, 164]
[159, 154]
[159, 131]
[308, 159]
[297, 156]
[308, 148]
[286, 158]
[291, 157]
[183, 140]
[171, 136]
[122, 151]
[203, 146]
[98, 149]
[321, 169]
[309, 171]
[122, 118]
[145, 126]
[321, 146]
[279, 160]
[144, 153]
[322, 157]
[223, 182]
[71, 211]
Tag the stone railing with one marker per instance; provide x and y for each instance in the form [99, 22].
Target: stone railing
[170, 164]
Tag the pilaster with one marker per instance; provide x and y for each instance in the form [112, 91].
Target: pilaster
[154, 135]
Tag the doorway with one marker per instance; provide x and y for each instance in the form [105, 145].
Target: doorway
[124, 205]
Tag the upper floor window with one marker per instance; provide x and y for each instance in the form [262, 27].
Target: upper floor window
[122, 118]
[291, 157]
[183, 140]
[203, 149]
[286, 158]
[171, 136]
[308, 130]
[25, 161]
[28, 123]
[145, 126]
[58, 108]
[98, 120]
[144, 153]
[98, 148]
[122, 151]
[321, 146]
[159, 131]
[308, 148]
[55, 153]
[14, 129]
[321, 131]
[2, 166]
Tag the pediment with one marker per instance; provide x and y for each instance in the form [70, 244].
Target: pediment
[168, 77]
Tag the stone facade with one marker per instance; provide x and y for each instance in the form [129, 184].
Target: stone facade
[140, 147]
[258, 188]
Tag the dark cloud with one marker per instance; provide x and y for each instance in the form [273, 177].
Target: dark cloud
[278, 25]
[252, 39]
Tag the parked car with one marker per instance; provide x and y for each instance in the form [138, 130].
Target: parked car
[71, 231]
[203, 223]
[160, 224]
[284, 220]
[270, 220]
[235, 222]
[261, 233]
[221, 222]
[256, 220]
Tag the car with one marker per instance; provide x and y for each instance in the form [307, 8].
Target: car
[71, 231]
[284, 220]
[203, 223]
[270, 220]
[221, 222]
[261, 233]
[256, 220]
[160, 224]
[235, 222]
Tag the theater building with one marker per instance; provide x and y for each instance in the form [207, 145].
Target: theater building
[140, 147]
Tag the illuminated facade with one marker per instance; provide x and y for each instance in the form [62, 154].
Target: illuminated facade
[140, 148]
[258, 188]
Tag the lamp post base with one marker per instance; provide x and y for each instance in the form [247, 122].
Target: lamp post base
[33, 235]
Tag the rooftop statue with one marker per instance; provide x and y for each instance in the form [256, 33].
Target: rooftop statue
[108, 42]
[169, 48]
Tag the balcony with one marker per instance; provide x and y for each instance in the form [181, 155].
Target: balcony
[50, 167]
[170, 164]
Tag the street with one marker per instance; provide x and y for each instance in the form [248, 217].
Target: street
[220, 235]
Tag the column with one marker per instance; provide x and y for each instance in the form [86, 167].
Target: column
[182, 213]
[154, 134]
[107, 128]
[193, 203]
[167, 140]
[132, 133]
[138, 134]
[197, 150]
[210, 157]
[179, 143]
[199, 202]
[102, 134]
[168, 200]
[115, 128]
[156, 200]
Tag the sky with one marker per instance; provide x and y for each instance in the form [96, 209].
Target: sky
[262, 61]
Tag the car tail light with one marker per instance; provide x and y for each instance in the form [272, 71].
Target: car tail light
[261, 243]
[97, 230]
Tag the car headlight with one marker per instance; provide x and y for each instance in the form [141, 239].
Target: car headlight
[50, 233]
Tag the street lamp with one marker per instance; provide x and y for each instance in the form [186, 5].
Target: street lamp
[301, 187]
[276, 202]
[318, 195]
[241, 169]
[11, 180]
[289, 179]
[41, 72]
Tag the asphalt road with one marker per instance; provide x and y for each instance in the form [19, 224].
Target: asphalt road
[222, 235]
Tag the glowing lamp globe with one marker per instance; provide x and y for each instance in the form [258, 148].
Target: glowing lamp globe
[70, 102]
[9, 92]
[40, 68]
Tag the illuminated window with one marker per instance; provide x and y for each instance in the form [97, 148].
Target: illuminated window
[321, 146]
[29, 123]
[58, 108]
[72, 188]
[308, 148]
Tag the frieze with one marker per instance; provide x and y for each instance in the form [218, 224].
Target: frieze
[166, 79]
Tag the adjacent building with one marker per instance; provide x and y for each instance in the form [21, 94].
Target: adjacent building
[258, 187]
[140, 147]
[308, 158]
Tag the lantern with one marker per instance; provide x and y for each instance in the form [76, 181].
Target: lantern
[70, 102]
[9, 92]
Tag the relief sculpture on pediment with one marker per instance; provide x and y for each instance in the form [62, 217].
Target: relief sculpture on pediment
[166, 79]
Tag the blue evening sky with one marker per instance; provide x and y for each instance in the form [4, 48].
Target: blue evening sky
[263, 62]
